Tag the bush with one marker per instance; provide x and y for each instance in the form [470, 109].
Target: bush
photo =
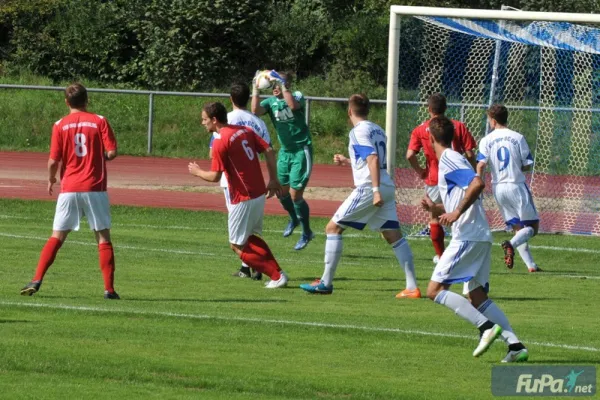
[197, 44]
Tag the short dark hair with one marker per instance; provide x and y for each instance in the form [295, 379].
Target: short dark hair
[437, 103]
[360, 105]
[499, 113]
[240, 94]
[216, 110]
[442, 130]
[76, 95]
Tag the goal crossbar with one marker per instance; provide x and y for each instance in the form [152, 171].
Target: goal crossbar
[396, 12]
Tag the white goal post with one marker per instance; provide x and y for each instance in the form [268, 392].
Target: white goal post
[499, 51]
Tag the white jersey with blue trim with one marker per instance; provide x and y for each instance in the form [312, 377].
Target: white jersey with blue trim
[368, 138]
[246, 118]
[454, 176]
[243, 118]
[506, 152]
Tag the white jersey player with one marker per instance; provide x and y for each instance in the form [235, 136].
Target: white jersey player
[467, 258]
[508, 155]
[371, 203]
[239, 96]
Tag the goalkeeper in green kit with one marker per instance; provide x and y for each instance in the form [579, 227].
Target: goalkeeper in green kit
[294, 163]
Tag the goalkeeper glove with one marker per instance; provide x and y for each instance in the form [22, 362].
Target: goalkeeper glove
[274, 75]
[255, 91]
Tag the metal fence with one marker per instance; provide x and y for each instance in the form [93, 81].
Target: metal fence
[152, 93]
[309, 100]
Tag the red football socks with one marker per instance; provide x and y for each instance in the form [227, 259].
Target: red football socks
[436, 232]
[257, 254]
[47, 257]
[106, 256]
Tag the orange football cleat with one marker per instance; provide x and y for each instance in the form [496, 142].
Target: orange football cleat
[409, 294]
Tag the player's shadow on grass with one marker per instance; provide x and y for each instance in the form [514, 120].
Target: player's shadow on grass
[13, 321]
[359, 256]
[209, 300]
[343, 279]
[524, 298]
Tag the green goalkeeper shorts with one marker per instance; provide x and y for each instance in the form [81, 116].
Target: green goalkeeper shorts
[294, 167]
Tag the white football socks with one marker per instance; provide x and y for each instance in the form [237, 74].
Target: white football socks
[461, 307]
[405, 258]
[526, 255]
[495, 314]
[522, 236]
[333, 253]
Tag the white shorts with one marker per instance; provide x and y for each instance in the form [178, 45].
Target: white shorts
[358, 211]
[227, 198]
[515, 203]
[246, 219]
[465, 261]
[70, 207]
[434, 193]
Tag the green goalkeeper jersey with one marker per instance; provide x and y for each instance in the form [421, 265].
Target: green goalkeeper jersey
[290, 124]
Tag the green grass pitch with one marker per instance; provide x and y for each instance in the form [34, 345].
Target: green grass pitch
[186, 329]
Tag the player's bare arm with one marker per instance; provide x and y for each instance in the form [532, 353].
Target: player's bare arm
[341, 160]
[290, 100]
[110, 155]
[273, 187]
[428, 205]
[52, 170]
[472, 193]
[373, 164]
[411, 157]
[480, 168]
[470, 156]
[209, 176]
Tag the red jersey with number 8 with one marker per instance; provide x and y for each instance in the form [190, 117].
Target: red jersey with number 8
[235, 152]
[79, 141]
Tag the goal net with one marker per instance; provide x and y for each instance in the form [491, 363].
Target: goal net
[548, 76]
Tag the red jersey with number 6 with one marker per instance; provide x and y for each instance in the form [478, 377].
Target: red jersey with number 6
[235, 152]
[79, 141]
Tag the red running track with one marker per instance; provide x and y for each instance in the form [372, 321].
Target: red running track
[23, 176]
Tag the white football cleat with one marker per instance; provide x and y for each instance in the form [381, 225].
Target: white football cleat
[516, 356]
[487, 338]
[281, 282]
[436, 259]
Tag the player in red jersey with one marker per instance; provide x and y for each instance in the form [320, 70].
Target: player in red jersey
[81, 144]
[463, 142]
[235, 153]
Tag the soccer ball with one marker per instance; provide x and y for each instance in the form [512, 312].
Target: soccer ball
[263, 80]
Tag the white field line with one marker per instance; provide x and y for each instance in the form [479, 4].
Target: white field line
[371, 236]
[224, 254]
[214, 229]
[282, 322]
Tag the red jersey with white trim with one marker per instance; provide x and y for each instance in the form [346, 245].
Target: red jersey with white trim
[235, 153]
[79, 141]
[419, 139]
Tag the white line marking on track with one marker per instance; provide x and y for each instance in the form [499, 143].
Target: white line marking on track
[283, 322]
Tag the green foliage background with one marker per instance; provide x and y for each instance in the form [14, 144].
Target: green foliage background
[200, 44]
